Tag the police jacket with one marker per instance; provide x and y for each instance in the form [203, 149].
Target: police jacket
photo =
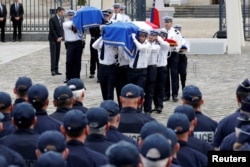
[114, 136]
[228, 142]
[6, 125]
[97, 142]
[12, 157]
[132, 121]
[175, 163]
[59, 113]
[199, 145]
[23, 141]
[205, 127]
[44, 122]
[188, 157]
[79, 106]
[80, 155]
[225, 127]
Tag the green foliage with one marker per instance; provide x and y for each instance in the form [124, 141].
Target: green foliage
[81, 2]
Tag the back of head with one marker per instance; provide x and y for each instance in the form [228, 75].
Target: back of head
[23, 115]
[37, 95]
[179, 123]
[111, 107]
[245, 105]
[123, 154]
[130, 95]
[22, 85]
[187, 110]
[243, 89]
[5, 101]
[74, 122]
[51, 141]
[155, 151]
[152, 127]
[77, 87]
[192, 95]
[51, 159]
[63, 96]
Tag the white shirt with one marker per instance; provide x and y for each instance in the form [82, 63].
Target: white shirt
[116, 17]
[109, 52]
[69, 35]
[175, 35]
[145, 51]
[185, 42]
[155, 48]
[163, 52]
[125, 18]
[122, 57]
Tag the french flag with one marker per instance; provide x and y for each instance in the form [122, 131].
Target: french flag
[120, 34]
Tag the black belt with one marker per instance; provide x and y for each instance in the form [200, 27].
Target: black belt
[105, 65]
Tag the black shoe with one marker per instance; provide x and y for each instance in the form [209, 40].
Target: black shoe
[4, 41]
[91, 76]
[58, 73]
[175, 98]
[20, 40]
[53, 73]
[66, 81]
[98, 81]
[159, 110]
[166, 98]
[14, 40]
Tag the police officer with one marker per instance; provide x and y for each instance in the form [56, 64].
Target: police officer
[193, 142]
[98, 127]
[113, 135]
[107, 68]
[161, 71]
[38, 97]
[173, 59]
[185, 47]
[116, 15]
[125, 17]
[227, 124]
[24, 120]
[131, 120]
[74, 47]
[21, 88]
[5, 113]
[137, 71]
[151, 71]
[187, 156]
[78, 89]
[75, 128]
[63, 101]
[206, 126]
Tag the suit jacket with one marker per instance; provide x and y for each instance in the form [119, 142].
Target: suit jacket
[55, 29]
[3, 13]
[14, 13]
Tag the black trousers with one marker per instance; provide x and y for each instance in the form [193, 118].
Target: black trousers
[17, 25]
[121, 79]
[94, 61]
[160, 86]
[107, 77]
[172, 75]
[182, 69]
[55, 48]
[137, 76]
[2, 26]
[73, 59]
[150, 87]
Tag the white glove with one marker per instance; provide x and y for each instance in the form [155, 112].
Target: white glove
[133, 35]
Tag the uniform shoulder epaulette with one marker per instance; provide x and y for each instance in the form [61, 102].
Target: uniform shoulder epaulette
[177, 32]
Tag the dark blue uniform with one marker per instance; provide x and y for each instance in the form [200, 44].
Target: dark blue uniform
[12, 157]
[80, 155]
[59, 114]
[79, 106]
[188, 156]
[159, 86]
[175, 163]
[23, 141]
[114, 136]
[97, 142]
[44, 122]
[199, 145]
[19, 100]
[131, 122]
[6, 125]
[225, 127]
[205, 127]
[228, 142]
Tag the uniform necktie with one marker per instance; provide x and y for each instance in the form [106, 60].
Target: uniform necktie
[115, 16]
[60, 22]
[102, 52]
[136, 59]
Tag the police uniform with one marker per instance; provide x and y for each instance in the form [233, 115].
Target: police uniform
[125, 17]
[12, 157]
[151, 73]
[6, 125]
[161, 73]
[173, 59]
[107, 67]
[5, 113]
[228, 142]
[116, 16]
[137, 71]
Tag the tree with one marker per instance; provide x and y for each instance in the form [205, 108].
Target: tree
[81, 2]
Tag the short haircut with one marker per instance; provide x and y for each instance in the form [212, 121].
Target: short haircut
[63, 103]
[59, 9]
[75, 133]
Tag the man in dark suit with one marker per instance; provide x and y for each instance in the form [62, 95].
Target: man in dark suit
[16, 14]
[55, 38]
[3, 14]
